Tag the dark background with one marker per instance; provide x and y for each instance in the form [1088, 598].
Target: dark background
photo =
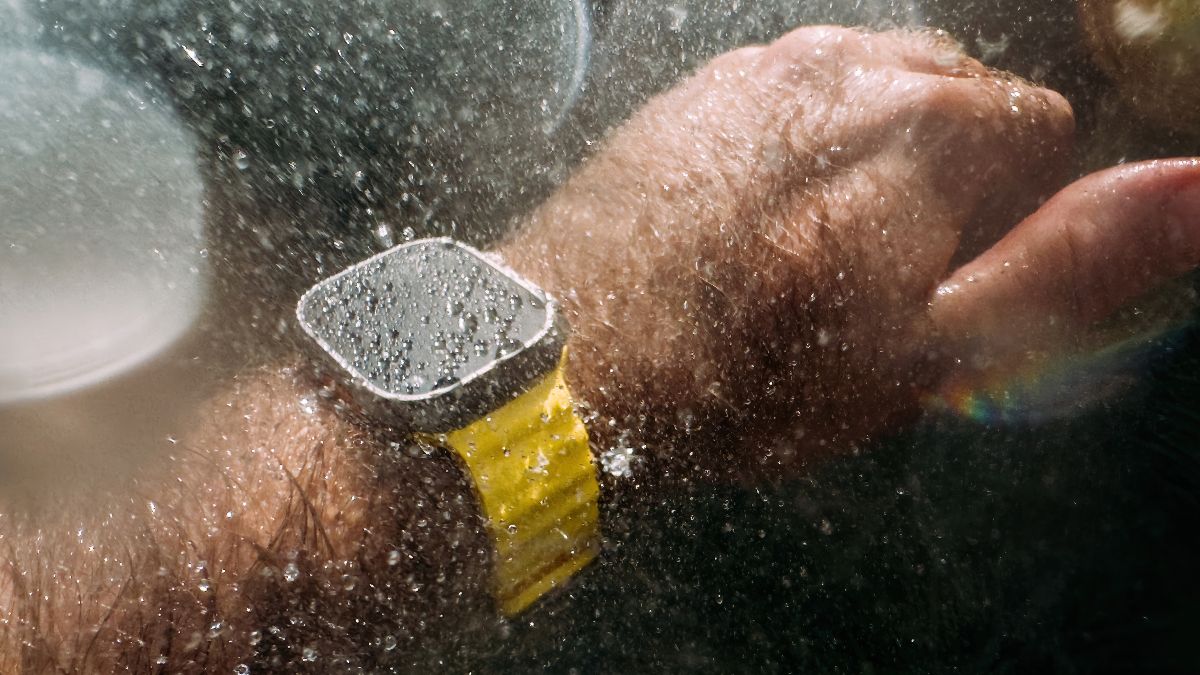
[1065, 547]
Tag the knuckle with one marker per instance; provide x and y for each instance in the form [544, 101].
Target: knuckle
[943, 105]
[923, 40]
[1052, 112]
[952, 97]
[996, 106]
[815, 44]
[727, 68]
[736, 60]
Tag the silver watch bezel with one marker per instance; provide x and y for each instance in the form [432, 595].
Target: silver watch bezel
[469, 398]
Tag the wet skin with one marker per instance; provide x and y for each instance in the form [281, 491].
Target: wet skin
[759, 267]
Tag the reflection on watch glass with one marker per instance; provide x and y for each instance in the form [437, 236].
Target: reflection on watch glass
[423, 317]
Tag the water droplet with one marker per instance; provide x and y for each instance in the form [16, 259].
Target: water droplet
[393, 558]
[678, 16]
[309, 654]
[241, 160]
[255, 637]
[383, 233]
[204, 585]
[241, 669]
[193, 55]
[617, 462]
[512, 529]
[291, 572]
[389, 643]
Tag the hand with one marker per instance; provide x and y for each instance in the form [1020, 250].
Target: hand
[758, 265]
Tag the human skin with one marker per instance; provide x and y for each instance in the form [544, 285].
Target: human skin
[759, 272]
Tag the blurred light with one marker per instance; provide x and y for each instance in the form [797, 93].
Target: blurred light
[102, 261]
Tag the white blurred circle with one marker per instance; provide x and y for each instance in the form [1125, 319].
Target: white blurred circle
[102, 261]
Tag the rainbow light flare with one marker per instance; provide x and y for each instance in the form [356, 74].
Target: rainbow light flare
[1055, 386]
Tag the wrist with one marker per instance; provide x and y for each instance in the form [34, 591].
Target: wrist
[627, 454]
[618, 368]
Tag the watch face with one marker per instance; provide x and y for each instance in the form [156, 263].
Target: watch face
[432, 334]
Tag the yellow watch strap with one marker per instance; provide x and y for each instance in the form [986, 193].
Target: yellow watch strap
[533, 473]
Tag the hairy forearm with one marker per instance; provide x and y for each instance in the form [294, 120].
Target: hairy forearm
[691, 317]
[283, 531]
[280, 533]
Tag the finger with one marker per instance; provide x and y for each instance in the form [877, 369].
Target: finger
[1035, 153]
[938, 150]
[993, 148]
[1095, 246]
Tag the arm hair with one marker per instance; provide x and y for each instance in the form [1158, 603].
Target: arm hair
[281, 535]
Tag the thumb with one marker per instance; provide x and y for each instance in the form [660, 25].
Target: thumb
[1101, 242]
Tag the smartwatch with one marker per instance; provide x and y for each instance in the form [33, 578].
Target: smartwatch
[450, 347]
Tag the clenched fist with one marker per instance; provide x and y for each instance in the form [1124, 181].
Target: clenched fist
[760, 264]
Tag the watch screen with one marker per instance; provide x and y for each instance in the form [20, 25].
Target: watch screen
[423, 318]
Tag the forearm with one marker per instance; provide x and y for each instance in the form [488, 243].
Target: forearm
[283, 527]
[280, 532]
